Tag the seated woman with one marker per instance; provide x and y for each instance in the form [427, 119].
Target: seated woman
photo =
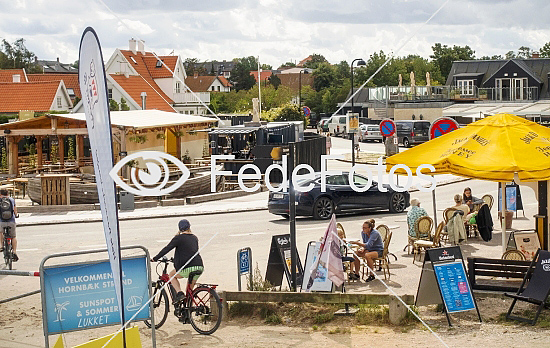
[470, 200]
[371, 248]
[413, 215]
[461, 206]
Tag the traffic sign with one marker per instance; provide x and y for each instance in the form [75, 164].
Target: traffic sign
[307, 111]
[387, 128]
[442, 126]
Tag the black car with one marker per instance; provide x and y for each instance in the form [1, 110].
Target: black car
[338, 198]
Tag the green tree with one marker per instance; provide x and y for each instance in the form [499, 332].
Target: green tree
[75, 64]
[524, 52]
[123, 105]
[324, 76]
[193, 65]
[275, 81]
[266, 67]
[316, 61]
[17, 56]
[494, 57]
[545, 50]
[444, 56]
[288, 65]
[291, 112]
[510, 55]
[240, 76]
[113, 105]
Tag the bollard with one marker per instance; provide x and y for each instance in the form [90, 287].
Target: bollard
[398, 311]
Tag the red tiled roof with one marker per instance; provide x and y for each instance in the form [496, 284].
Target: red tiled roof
[160, 72]
[134, 85]
[224, 81]
[264, 75]
[34, 96]
[141, 67]
[70, 80]
[6, 75]
[199, 83]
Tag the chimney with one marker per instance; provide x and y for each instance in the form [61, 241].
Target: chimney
[58, 59]
[141, 46]
[16, 78]
[535, 55]
[196, 74]
[132, 43]
[143, 100]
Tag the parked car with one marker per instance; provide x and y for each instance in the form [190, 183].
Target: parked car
[323, 124]
[412, 132]
[371, 132]
[338, 198]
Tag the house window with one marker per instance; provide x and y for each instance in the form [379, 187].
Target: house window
[213, 88]
[110, 91]
[178, 87]
[59, 105]
[226, 73]
[191, 112]
[218, 88]
[71, 92]
[159, 64]
[466, 87]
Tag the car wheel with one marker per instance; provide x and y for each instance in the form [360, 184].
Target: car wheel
[406, 142]
[397, 202]
[323, 208]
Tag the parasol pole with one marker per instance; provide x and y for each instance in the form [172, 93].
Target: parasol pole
[503, 215]
[434, 206]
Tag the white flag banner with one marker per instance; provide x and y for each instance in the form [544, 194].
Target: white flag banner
[329, 257]
[93, 85]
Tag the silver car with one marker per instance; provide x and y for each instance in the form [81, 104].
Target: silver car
[371, 132]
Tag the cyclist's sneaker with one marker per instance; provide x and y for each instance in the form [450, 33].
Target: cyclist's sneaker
[15, 258]
[180, 296]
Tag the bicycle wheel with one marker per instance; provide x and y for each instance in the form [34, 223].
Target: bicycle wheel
[161, 307]
[8, 257]
[205, 313]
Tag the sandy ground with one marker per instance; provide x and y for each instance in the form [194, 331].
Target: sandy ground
[20, 326]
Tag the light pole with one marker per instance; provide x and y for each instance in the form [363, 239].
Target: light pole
[360, 62]
[300, 87]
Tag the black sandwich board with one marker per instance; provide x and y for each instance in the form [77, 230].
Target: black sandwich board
[279, 262]
[444, 281]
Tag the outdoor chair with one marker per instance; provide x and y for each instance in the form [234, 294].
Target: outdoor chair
[513, 254]
[345, 264]
[422, 227]
[384, 262]
[422, 245]
[384, 231]
[489, 200]
[538, 287]
[447, 215]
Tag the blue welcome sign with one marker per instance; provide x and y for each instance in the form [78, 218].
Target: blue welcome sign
[82, 296]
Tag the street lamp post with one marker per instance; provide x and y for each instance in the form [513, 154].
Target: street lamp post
[360, 62]
[300, 87]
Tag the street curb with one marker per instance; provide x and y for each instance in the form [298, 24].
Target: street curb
[155, 216]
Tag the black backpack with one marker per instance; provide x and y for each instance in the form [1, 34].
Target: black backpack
[6, 209]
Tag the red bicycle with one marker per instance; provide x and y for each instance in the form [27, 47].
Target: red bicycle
[201, 307]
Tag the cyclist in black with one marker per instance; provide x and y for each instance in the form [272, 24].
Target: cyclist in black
[11, 223]
[187, 245]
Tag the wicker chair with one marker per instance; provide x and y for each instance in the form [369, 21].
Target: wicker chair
[447, 214]
[384, 262]
[422, 226]
[421, 245]
[513, 254]
[489, 200]
[383, 230]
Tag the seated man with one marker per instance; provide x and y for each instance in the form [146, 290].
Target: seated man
[371, 248]
[413, 215]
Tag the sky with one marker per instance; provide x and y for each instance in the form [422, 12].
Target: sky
[277, 31]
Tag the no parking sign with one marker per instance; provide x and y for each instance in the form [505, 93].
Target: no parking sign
[387, 128]
[307, 111]
[442, 126]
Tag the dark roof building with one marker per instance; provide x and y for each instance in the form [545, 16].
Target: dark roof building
[54, 66]
[501, 80]
[223, 68]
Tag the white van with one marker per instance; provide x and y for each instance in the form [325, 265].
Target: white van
[337, 125]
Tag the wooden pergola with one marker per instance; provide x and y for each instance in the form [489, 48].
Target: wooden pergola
[123, 123]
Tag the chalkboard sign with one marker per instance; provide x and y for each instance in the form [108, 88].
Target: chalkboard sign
[443, 281]
[513, 197]
[279, 262]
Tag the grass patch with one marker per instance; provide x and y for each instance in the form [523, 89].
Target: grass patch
[373, 315]
[273, 319]
[323, 318]
[315, 327]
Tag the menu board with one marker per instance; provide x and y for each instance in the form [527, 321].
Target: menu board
[454, 286]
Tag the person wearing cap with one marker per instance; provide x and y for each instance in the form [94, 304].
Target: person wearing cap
[186, 255]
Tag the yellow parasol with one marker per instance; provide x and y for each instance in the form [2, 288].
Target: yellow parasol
[495, 148]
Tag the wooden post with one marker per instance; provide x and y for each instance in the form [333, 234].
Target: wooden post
[178, 145]
[13, 155]
[79, 149]
[38, 153]
[61, 149]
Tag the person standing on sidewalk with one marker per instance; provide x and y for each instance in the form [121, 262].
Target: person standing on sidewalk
[329, 144]
[8, 212]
